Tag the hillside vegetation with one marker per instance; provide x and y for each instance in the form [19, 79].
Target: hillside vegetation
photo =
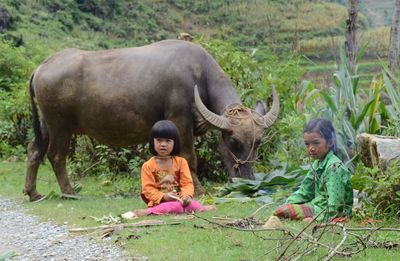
[268, 31]
[312, 28]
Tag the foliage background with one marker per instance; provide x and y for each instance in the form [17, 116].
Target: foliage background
[294, 45]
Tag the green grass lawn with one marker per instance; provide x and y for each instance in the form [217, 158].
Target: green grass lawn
[192, 239]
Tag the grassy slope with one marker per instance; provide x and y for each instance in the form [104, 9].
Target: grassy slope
[300, 26]
[193, 239]
[248, 23]
[379, 12]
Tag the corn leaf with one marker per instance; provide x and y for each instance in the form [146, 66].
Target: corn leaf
[363, 114]
[329, 101]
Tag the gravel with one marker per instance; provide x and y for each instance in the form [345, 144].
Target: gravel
[31, 239]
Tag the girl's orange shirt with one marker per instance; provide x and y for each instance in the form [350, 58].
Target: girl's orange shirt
[151, 176]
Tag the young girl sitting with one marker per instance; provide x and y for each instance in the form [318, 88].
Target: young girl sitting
[326, 193]
[167, 186]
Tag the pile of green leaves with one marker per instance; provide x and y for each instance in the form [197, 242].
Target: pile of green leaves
[262, 187]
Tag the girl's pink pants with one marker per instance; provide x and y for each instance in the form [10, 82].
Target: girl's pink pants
[175, 207]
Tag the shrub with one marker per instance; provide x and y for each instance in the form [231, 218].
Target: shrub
[88, 157]
[383, 190]
[15, 68]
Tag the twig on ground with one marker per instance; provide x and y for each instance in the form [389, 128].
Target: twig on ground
[144, 223]
[311, 242]
[298, 235]
[263, 206]
[334, 251]
[237, 228]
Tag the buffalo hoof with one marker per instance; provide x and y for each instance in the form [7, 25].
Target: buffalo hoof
[36, 198]
[33, 196]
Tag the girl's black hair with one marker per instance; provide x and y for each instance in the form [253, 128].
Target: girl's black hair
[168, 130]
[325, 128]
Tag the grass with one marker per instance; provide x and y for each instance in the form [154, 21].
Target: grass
[193, 239]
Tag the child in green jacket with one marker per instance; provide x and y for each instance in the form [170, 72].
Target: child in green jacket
[325, 193]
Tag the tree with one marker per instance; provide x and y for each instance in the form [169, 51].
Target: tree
[350, 44]
[394, 38]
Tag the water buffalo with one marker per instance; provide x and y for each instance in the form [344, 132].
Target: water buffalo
[115, 96]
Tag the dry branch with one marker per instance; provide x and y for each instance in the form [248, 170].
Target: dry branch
[144, 223]
[295, 244]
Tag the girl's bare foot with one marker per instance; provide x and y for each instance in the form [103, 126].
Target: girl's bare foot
[140, 212]
[129, 215]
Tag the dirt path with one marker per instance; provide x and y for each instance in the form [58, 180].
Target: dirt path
[30, 239]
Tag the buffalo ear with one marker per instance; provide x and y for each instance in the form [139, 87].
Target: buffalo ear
[260, 107]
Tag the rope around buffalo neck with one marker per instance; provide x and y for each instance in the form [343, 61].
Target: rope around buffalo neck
[234, 111]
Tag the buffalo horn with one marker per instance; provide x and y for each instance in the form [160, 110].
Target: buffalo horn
[216, 120]
[272, 115]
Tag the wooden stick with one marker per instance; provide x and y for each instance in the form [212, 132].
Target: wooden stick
[144, 223]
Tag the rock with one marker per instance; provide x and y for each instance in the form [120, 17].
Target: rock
[376, 150]
[273, 222]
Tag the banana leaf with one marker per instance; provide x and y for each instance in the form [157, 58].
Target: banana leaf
[244, 184]
[263, 192]
[276, 178]
[262, 185]
[263, 200]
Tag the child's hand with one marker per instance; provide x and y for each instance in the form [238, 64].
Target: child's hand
[186, 200]
[171, 196]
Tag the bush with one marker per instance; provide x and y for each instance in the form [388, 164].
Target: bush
[383, 190]
[15, 120]
[88, 158]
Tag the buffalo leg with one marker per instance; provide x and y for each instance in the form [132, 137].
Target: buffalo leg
[34, 160]
[198, 188]
[57, 154]
[192, 161]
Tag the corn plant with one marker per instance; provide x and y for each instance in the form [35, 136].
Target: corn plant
[351, 113]
[392, 86]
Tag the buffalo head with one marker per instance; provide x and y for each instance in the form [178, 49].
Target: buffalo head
[242, 130]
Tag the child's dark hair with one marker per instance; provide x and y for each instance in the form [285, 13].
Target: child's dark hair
[325, 128]
[168, 130]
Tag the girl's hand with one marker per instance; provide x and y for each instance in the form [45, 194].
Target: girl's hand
[186, 200]
[171, 196]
